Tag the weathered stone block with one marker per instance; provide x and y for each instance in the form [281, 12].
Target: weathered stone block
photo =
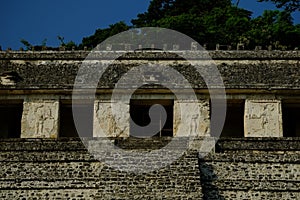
[263, 118]
[40, 119]
[191, 118]
[108, 125]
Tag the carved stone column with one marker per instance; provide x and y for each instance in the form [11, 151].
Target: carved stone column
[263, 118]
[188, 122]
[108, 125]
[40, 119]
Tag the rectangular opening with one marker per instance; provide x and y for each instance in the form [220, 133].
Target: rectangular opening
[67, 126]
[10, 119]
[291, 119]
[139, 112]
[234, 122]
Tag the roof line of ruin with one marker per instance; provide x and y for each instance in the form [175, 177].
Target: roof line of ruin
[152, 54]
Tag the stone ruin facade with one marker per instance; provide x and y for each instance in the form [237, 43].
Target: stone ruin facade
[259, 137]
[259, 84]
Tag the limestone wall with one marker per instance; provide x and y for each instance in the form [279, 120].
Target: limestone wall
[251, 70]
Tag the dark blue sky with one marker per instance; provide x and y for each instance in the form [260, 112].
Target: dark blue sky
[35, 20]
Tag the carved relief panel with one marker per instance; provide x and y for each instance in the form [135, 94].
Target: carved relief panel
[40, 119]
[263, 118]
[108, 125]
[191, 118]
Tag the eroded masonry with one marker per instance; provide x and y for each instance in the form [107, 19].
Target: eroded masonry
[256, 157]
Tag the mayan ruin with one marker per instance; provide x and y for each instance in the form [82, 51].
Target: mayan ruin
[256, 157]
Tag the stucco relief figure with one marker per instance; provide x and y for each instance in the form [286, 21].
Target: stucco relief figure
[259, 114]
[194, 124]
[265, 118]
[43, 115]
[108, 125]
[262, 114]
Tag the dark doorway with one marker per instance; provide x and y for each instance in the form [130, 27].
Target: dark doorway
[291, 119]
[10, 120]
[234, 122]
[139, 112]
[67, 125]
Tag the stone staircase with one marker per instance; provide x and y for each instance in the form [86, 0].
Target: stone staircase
[241, 168]
[248, 168]
[63, 169]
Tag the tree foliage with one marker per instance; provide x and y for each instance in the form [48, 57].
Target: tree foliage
[274, 28]
[27, 45]
[206, 21]
[101, 34]
[210, 22]
[288, 5]
[219, 22]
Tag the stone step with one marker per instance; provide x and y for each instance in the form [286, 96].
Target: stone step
[249, 194]
[254, 185]
[34, 174]
[64, 168]
[292, 157]
[249, 171]
[118, 183]
[98, 194]
[84, 155]
[65, 144]
[257, 144]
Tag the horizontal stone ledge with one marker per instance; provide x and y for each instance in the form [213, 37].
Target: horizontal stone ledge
[76, 194]
[254, 185]
[46, 156]
[41, 145]
[250, 157]
[79, 183]
[65, 93]
[236, 194]
[168, 55]
[223, 144]
[260, 144]
[85, 156]
[213, 189]
[249, 171]
[68, 89]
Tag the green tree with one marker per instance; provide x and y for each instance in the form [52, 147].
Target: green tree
[212, 22]
[61, 40]
[159, 9]
[69, 45]
[27, 45]
[274, 28]
[101, 34]
[156, 11]
[206, 21]
[289, 5]
[226, 25]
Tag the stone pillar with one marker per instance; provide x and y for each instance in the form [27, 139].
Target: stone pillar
[187, 121]
[40, 119]
[108, 125]
[263, 118]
